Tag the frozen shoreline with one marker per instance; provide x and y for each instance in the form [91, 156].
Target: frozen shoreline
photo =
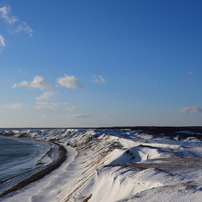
[19, 155]
[57, 154]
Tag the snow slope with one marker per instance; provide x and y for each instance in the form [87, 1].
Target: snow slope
[117, 165]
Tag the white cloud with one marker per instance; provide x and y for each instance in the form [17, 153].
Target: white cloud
[78, 116]
[40, 105]
[75, 117]
[58, 104]
[5, 14]
[23, 83]
[25, 28]
[38, 82]
[73, 108]
[17, 25]
[46, 105]
[190, 73]
[14, 85]
[22, 72]
[46, 95]
[17, 106]
[2, 41]
[98, 79]
[13, 106]
[45, 117]
[70, 82]
[191, 110]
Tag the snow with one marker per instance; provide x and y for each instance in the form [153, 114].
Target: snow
[117, 165]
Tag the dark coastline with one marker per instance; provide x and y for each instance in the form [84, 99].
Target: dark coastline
[39, 175]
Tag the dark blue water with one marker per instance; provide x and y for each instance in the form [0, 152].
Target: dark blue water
[19, 155]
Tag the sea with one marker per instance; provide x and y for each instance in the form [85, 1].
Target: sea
[19, 155]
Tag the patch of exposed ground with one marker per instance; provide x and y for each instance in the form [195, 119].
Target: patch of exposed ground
[88, 198]
[165, 164]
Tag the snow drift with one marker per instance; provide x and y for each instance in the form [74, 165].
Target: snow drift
[117, 165]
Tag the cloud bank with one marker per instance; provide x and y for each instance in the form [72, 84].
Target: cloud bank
[191, 110]
[38, 82]
[70, 82]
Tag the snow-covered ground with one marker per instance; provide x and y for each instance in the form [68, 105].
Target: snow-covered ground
[117, 165]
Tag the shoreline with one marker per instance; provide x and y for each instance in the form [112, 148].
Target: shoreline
[38, 175]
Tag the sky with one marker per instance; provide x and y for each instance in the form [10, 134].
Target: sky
[87, 63]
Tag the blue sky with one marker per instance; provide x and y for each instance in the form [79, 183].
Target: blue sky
[83, 63]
